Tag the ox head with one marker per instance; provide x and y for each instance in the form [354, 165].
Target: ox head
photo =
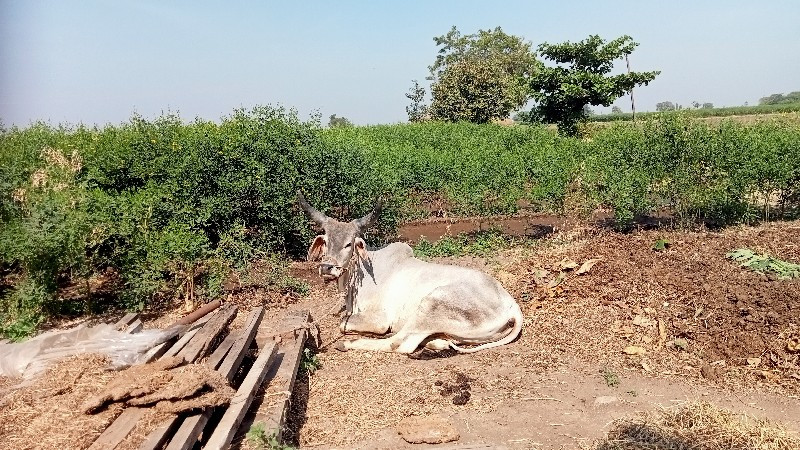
[341, 242]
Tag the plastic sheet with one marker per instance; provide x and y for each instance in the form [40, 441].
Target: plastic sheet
[26, 359]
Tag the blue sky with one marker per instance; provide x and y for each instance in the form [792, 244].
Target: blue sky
[98, 61]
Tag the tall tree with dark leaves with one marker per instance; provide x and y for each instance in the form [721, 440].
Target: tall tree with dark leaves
[581, 77]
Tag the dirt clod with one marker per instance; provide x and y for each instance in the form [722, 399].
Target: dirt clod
[427, 430]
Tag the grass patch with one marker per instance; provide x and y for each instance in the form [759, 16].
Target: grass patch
[697, 426]
[611, 378]
[261, 439]
[480, 244]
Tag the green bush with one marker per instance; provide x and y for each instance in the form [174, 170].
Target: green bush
[171, 207]
[162, 203]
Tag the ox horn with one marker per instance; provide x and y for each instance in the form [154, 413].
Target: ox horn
[366, 221]
[311, 212]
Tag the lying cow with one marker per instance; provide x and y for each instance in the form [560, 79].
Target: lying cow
[389, 291]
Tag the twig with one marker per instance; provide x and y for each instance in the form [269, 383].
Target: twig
[541, 398]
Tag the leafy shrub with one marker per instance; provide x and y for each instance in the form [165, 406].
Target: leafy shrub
[171, 207]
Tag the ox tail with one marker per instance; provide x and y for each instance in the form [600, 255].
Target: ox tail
[515, 330]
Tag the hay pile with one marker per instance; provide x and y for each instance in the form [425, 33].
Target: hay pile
[72, 403]
[697, 426]
[46, 414]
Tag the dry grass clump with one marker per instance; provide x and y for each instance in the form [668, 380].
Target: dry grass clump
[697, 426]
[46, 414]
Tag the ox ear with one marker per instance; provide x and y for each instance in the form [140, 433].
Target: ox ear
[361, 248]
[317, 248]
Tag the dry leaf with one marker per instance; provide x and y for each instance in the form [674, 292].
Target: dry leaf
[568, 265]
[556, 281]
[539, 275]
[769, 375]
[587, 266]
[634, 350]
[662, 332]
[753, 361]
[642, 321]
[646, 367]
[793, 345]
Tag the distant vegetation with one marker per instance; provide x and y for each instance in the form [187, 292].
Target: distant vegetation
[485, 76]
[704, 112]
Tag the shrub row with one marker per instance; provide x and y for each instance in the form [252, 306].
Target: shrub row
[159, 204]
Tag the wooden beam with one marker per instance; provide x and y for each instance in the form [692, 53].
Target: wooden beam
[134, 327]
[288, 328]
[126, 320]
[193, 350]
[125, 422]
[226, 429]
[118, 430]
[229, 366]
[191, 428]
[209, 332]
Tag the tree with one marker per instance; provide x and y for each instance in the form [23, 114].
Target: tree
[417, 110]
[696, 104]
[472, 91]
[777, 99]
[335, 122]
[707, 106]
[665, 106]
[581, 78]
[489, 59]
[616, 110]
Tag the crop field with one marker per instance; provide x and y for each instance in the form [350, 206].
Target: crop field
[789, 109]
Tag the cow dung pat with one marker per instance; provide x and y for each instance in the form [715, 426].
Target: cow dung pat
[427, 430]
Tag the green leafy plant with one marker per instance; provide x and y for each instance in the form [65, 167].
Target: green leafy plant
[481, 244]
[763, 263]
[660, 245]
[310, 362]
[611, 378]
[261, 439]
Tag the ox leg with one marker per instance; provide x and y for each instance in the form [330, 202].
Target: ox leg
[363, 323]
[399, 343]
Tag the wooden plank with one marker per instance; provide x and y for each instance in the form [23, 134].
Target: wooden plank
[126, 320]
[222, 350]
[118, 430]
[193, 350]
[290, 354]
[134, 327]
[188, 334]
[178, 346]
[201, 343]
[226, 429]
[229, 366]
[191, 428]
[118, 427]
[288, 328]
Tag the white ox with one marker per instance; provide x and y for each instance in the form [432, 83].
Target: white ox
[389, 292]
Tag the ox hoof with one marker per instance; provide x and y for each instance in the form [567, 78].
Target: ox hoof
[340, 346]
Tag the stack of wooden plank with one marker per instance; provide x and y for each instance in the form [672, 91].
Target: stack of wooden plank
[208, 341]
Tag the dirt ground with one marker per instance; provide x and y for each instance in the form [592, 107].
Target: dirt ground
[701, 328]
[641, 330]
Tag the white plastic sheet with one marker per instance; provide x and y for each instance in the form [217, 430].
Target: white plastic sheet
[26, 359]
